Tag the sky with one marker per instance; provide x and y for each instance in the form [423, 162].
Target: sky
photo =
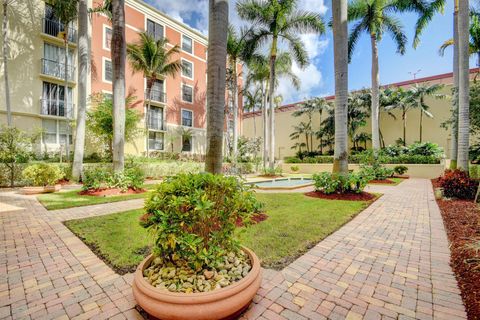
[318, 78]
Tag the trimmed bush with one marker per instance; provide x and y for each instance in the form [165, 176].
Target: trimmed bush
[457, 184]
[329, 183]
[42, 174]
[400, 170]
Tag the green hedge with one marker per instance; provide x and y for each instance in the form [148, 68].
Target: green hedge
[357, 158]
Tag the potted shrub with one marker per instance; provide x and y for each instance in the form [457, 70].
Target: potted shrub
[197, 269]
[42, 177]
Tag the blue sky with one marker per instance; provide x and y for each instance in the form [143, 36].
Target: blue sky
[318, 78]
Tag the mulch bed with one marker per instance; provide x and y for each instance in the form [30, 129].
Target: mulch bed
[105, 192]
[385, 181]
[462, 222]
[363, 196]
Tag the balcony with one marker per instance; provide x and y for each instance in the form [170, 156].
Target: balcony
[57, 69]
[56, 108]
[156, 124]
[53, 28]
[157, 96]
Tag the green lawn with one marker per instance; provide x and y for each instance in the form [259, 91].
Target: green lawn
[294, 225]
[70, 199]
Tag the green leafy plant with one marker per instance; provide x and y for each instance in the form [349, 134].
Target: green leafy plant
[272, 172]
[193, 217]
[42, 174]
[95, 178]
[295, 168]
[400, 170]
[329, 183]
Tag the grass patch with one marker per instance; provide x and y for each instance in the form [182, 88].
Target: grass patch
[70, 199]
[295, 223]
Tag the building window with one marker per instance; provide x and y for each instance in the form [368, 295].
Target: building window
[55, 132]
[187, 44]
[107, 37]
[187, 143]
[187, 93]
[156, 92]
[53, 63]
[187, 118]
[155, 30]
[187, 69]
[107, 70]
[53, 100]
[63, 132]
[52, 25]
[155, 118]
[155, 140]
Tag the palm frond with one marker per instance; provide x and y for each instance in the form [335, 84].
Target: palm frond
[304, 22]
[444, 46]
[395, 28]
[297, 49]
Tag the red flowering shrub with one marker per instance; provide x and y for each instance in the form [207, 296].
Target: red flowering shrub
[457, 184]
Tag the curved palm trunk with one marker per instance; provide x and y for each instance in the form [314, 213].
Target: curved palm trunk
[375, 95]
[216, 82]
[273, 58]
[65, 98]
[266, 136]
[118, 61]
[464, 85]
[147, 115]
[5, 63]
[421, 125]
[404, 118]
[235, 109]
[83, 67]
[454, 129]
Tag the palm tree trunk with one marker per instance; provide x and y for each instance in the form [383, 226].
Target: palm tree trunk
[118, 62]
[404, 118]
[147, 115]
[340, 44]
[65, 99]
[464, 85]
[216, 82]
[273, 58]
[83, 68]
[266, 136]
[235, 109]
[421, 125]
[375, 95]
[5, 63]
[454, 129]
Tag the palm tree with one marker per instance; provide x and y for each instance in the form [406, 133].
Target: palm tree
[151, 57]
[216, 83]
[400, 99]
[275, 20]
[416, 99]
[66, 12]
[119, 48]
[463, 88]
[304, 129]
[5, 62]
[252, 102]
[375, 18]
[83, 68]
[340, 43]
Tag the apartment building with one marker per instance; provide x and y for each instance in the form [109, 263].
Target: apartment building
[42, 99]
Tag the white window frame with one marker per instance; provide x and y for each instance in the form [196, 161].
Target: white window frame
[181, 93]
[105, 27]
[104, 60]
[157, 22]
[193, 68]
[181, 44]
[181, 117]
[155, 132]
[57, 134]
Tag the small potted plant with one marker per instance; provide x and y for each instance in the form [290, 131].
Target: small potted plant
[197, 269]
[42, 177]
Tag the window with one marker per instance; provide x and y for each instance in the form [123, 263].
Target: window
[107, 37]
[155, 118]
[187, 44]
[63, 132]
[53, 63]
[107, 70]
[155, 140]
[187, 93]
[154, 29]
[55, 132]
[53, 100]
[187, 69]
[187, 143]
[157, 93]
[187, 118]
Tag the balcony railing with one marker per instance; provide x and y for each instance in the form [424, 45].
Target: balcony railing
[53, 28]
[58, 108]
[157, 95]
[57, 69]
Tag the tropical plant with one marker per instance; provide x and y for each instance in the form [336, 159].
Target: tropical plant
[216, 83]
[400, 170]
[150, 57]
[342, 183]
[83, 68]
[100, 120]
[457, 184]
[252, 101]
[400, 99]
[15, 148]
[475, 108]
[42, 174]
[375, 18]
[303, 129]
[278, 20]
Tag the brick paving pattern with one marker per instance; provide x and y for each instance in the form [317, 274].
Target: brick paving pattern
[390, 262]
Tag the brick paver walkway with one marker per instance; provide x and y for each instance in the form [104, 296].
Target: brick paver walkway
[391, 261]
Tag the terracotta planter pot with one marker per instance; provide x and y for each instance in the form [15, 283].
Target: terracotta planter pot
[38, 190]
[222, 303]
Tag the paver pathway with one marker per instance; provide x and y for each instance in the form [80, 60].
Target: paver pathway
[391, 261]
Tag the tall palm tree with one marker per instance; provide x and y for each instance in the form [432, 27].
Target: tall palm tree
[66, 11]
[375, 18]
[119, 52]
[83, 68]
[151, 57]
[340, 47]
[5, 45]
[252, 102]
[400, 99]
[464, 84]
[216, 82]
[278, 20]
[416, 99]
